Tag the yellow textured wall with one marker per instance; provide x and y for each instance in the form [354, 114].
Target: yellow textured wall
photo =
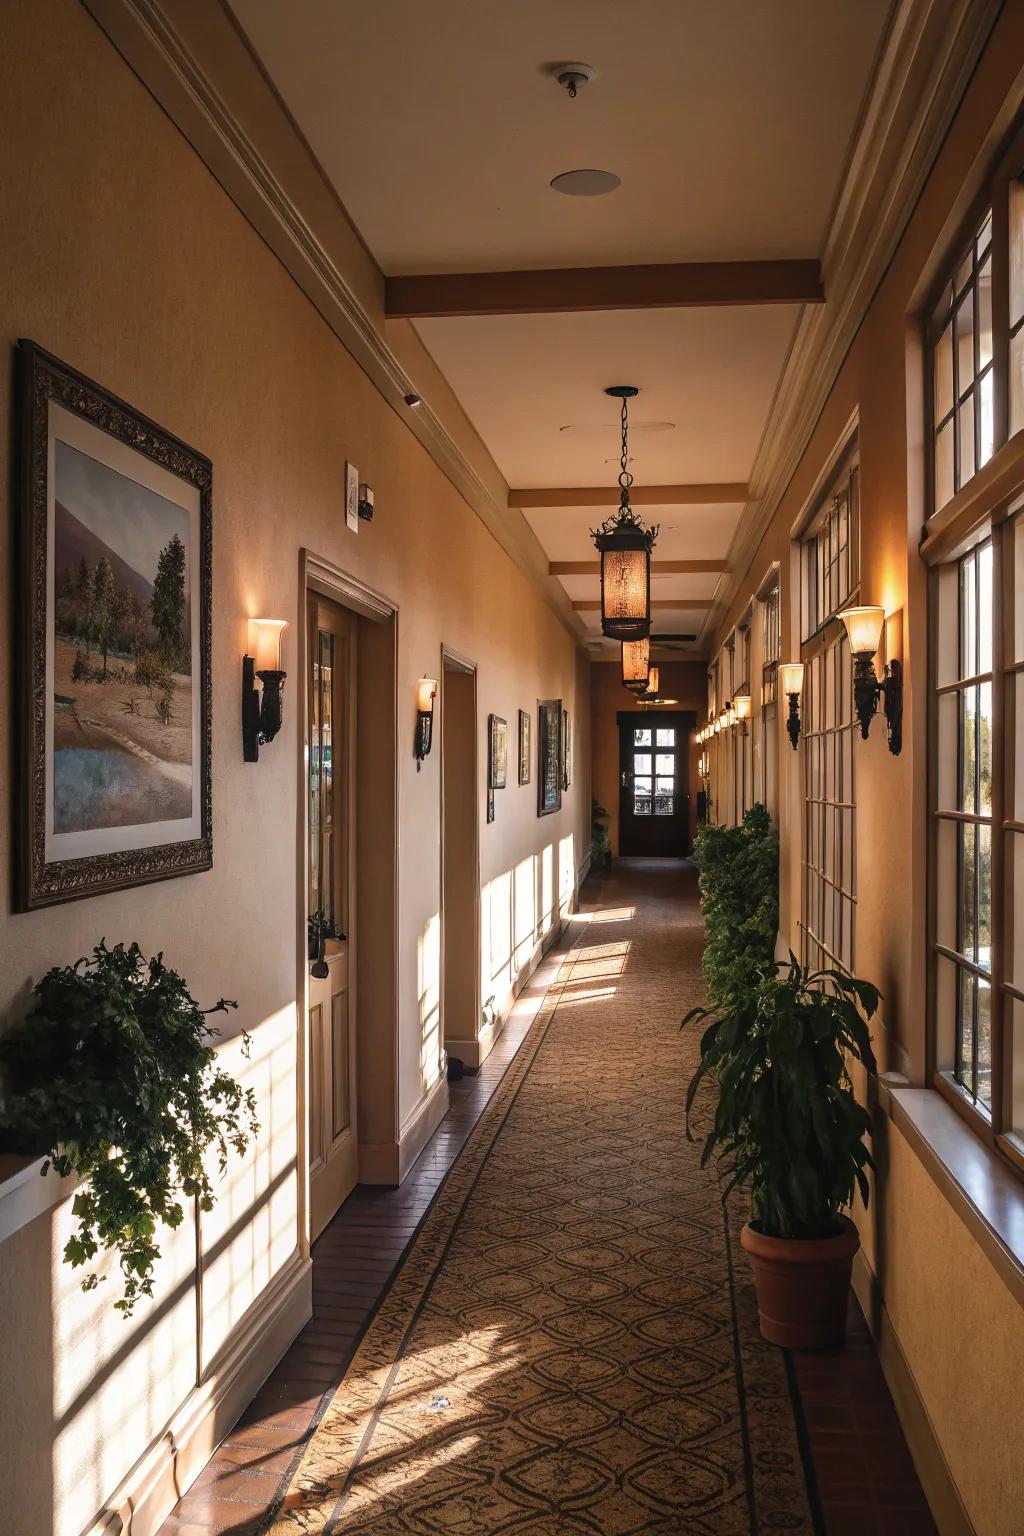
[122, 256]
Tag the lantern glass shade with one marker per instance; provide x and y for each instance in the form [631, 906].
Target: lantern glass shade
[265, 643]
[742, 704]
[653, 679]
[863, 629]
[636, 662]
[625, 586]
[791, 677]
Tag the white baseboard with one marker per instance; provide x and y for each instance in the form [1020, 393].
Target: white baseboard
[168, 1469]
[387, 1162]
[947, 1507]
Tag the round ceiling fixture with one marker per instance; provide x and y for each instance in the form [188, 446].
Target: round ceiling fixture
[586, 183]
[573, 77]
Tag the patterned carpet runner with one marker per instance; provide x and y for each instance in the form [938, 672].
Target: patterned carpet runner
[570, 1345]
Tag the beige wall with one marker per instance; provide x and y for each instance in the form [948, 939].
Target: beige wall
[682, 680]
[123, 256]
[956, 1323]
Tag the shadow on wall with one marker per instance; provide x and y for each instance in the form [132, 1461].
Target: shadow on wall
[518, 910]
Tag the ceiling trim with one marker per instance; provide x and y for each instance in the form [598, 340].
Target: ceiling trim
[658, 567]
[925, 62]
[640, 496]
[571, 290]
[658, 604]
[244, 135]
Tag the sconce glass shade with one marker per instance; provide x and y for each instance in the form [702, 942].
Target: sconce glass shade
[625, 583]
[742, 703]
[791, 677]
[730, 716]
[425, 691]
[265, 643]
[636, 663]
[863, 629]
[717, 725]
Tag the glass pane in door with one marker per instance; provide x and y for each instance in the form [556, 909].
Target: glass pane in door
[641, 797]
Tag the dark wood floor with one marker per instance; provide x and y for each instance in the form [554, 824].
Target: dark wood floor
[867, 1485]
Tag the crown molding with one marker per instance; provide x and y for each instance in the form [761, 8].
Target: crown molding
[924, 64]
[197, 65]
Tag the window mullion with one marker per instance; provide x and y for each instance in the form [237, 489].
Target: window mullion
[1002, 571]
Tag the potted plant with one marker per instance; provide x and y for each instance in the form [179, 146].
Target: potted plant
[790, 1128]
[738, 870]
[600, 838]
[111, 1077]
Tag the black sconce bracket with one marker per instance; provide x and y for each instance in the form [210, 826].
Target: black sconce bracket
[261, 717]
[793, 720]
[424, 736]
[868, 689]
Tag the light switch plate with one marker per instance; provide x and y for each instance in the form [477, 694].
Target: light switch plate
[352, 497]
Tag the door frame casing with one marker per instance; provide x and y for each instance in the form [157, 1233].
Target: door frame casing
[321, 577]
[633, 718]
[454, 661]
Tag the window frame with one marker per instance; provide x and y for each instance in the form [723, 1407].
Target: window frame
[989, 506]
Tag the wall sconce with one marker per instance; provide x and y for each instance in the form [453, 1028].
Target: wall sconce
[742, 705]
[864, 631]
[261, 717]
[425, 692]
[791, 682]
[730, 716]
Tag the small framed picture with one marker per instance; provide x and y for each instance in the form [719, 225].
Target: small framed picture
[352, 497]
[549, 764]
[524, 747]
[497, 752]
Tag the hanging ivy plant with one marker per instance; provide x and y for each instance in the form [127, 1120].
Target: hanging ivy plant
[111, 1077]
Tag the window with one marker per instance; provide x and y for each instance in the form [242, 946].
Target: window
[963, 404]
[829, 561]
[769, 733]
[743, 741]
[830, 557]
[654, 770]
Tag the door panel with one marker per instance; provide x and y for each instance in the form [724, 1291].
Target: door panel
[331, 691]
[654, 801]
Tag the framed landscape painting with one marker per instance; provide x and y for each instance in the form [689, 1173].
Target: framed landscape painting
[115, 701]
[549, 756]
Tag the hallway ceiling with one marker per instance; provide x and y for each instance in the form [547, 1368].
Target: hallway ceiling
[441, 127]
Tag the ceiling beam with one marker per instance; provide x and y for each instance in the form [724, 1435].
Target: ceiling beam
[640, 495]
[658, 567]
[569, 290]
[658, 604]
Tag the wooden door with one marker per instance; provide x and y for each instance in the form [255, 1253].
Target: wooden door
[654, 801]
[332, 1065]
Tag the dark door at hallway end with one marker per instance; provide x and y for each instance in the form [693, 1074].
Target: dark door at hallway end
[654, 800]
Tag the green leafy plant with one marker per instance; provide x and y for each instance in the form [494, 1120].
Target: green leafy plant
[111, 1077]
[738, 870]
[787, 1120]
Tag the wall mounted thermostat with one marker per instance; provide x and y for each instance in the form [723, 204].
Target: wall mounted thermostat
[352, 497]
[366, 503]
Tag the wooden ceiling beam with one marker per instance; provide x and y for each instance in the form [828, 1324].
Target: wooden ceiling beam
[569, 290]
[658, 567]
[658, 604]
[640, 495]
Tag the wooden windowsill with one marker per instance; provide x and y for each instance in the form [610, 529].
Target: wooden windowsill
[986, 1194]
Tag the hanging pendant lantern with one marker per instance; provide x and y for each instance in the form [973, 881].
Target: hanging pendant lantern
[636, 661]
[625, 544]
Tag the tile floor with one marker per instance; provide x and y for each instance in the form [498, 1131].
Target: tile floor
[867, 1485]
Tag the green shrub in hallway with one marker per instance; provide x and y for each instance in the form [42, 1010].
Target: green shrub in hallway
[787, 1120]
[600, 838]
[739, 897]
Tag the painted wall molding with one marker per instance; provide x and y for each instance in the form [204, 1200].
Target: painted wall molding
[923, 67]
[200, 69]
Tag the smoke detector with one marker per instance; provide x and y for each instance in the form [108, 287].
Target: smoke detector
[573, 77]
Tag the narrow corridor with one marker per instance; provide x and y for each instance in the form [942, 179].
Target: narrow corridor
[570, 1342]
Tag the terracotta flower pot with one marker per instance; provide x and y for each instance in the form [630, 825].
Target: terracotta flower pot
[802, 1286]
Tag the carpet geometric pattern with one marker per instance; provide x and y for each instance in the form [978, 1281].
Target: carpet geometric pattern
[571, 1344]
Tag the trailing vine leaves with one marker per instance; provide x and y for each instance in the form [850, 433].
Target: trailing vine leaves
[111, 1077]
[739, 895]
[787, 1122]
